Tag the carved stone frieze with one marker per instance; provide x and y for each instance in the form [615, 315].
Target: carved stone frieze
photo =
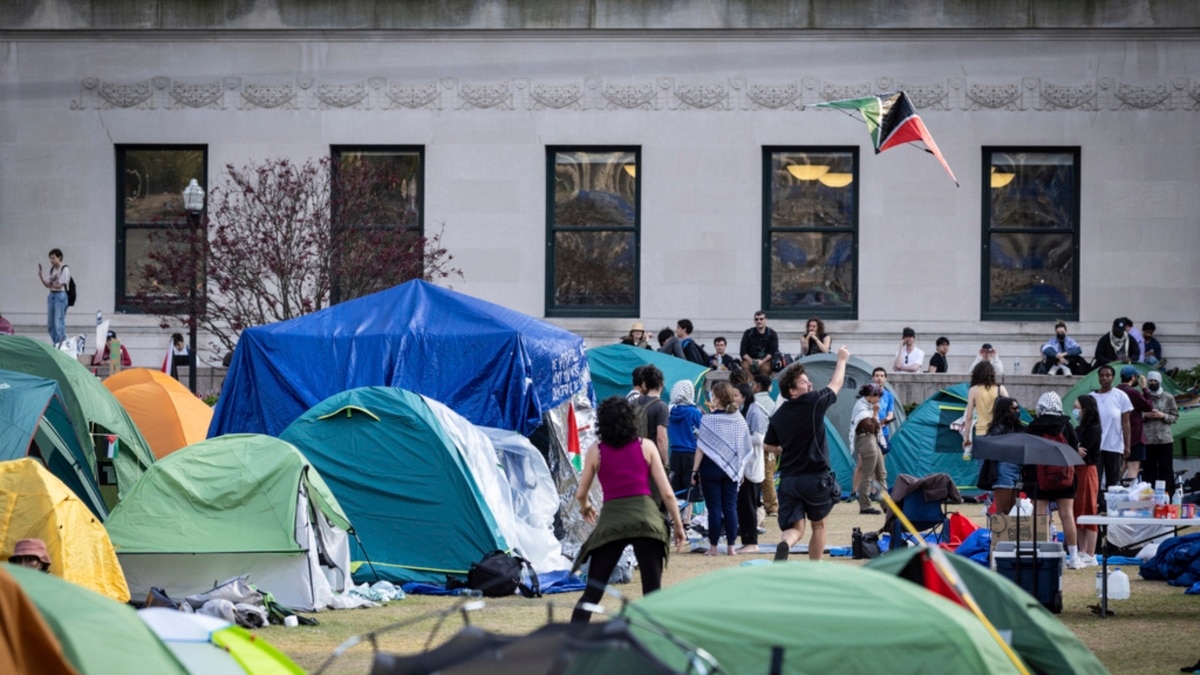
[269, 96]
[1067, 97]
[1155, 96]
[994, 97]
[556, 97]
[342, 96]
[833, 92]
[136, 95]
[208, 95]
[629, 97]
[701, 96]
[412, 96]
[1194, 95]
[485, 96]
[772, 96]
[927, 96]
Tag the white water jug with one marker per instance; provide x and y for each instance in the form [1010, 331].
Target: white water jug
[1118, 584]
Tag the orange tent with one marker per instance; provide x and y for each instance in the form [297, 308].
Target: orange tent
[168, 415]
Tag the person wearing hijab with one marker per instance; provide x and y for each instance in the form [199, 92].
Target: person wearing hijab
[750, 492]
[1160, 442]
[1052, 423]
[683, 427]
[720, 457]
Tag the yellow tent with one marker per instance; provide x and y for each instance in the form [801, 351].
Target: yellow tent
[167, 414]
[34, 503]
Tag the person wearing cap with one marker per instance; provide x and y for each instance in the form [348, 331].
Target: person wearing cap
[1133, 384]
[31, 553]
[909, 357]
[1117, 345]
[988, 353]
[1061, 355]
[1160, 443]
[636, 336]
[1115, 410]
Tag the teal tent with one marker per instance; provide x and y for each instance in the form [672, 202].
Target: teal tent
[228, 506]
[1091, 382]
[612, 369]
[34, 423]
[841, 456]
[926, 444]
[94, 411]
[414, 499]
[1042, 641]
[807, 617]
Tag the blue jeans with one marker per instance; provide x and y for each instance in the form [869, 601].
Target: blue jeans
[56, 315]
[720, 497]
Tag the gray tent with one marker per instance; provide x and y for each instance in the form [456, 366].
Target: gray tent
[858, 372]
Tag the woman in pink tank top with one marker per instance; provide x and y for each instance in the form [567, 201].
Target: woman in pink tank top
[625, 465]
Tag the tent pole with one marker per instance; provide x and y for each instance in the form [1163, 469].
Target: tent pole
[365, 556]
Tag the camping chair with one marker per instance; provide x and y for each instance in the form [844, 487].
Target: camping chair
[929, 517]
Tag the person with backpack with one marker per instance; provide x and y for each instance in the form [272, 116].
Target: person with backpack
[717, 468]
[651, 414]
[1057, 484]
[58, 280]
[626, 466]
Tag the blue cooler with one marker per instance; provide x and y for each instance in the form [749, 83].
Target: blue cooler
[1047, 570]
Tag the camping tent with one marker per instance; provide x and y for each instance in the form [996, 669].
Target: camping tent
[819, 369]
[33, 503]
[99, 636]
[493, 365]
[612, 367]
[93, 409]
[421, 484]
[926, 444]
[841, 457]
[34, 423]
[819, 618]
[206, 644]
[168, 415]
[1041, 640]
[1186, 431]
[229, 506]
[1091, 382]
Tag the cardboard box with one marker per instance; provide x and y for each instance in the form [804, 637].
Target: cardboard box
[1004, 528]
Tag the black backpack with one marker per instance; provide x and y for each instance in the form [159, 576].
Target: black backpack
[499, 575]
[70, 289]
[692, 351]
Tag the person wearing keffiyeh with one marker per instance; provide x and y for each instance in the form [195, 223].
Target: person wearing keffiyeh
[721, 453]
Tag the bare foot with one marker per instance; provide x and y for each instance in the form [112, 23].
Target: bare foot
[731, 550]
[712, 551]
[749, 548]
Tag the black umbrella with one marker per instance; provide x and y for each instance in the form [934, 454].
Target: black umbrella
[1021, 448]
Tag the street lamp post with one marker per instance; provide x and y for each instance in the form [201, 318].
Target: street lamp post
[193, 202]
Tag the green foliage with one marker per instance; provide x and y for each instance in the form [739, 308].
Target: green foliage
[1187, 379]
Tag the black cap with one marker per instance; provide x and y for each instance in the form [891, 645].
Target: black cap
[987, 346]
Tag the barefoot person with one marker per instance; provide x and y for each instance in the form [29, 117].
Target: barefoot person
[625, 465]
[807, 488]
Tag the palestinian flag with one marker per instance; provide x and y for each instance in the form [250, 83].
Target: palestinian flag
[891, 120]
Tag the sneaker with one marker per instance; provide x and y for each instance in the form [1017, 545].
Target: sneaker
[1075, 563]
[781, 551]
[869, 512]
[1088, 560]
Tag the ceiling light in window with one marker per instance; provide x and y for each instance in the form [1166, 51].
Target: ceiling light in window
[836, 180]
[807, 171]
[631, 169]
[1001, 179]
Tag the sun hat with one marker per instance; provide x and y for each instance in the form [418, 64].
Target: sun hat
[637, 325]
[33, 547]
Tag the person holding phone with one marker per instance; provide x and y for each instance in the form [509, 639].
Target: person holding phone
[57, 280]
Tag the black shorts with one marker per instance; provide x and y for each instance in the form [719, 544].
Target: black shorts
[808, 496]
[1137, 452]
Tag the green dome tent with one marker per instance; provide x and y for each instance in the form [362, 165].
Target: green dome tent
[1037, 636]
[1186, 431]
[94, 411]
[36, 423]
[228, 506]
[819, 618]
[612, 370]
[1091, 382]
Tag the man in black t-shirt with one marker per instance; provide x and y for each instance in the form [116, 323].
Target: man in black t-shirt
[807, 487]
[759, 346]
[937, 362]
[657, 412]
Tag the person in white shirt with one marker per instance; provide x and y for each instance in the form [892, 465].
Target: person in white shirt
[1114, 407]
[988, 353]
[910, 357]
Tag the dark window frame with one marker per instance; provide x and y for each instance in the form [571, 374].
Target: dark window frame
[121, 302]
[613, 311]
[826, 313]
[419, 150]
[986, 313]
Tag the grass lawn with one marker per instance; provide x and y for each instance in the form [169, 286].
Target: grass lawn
[1156, 631]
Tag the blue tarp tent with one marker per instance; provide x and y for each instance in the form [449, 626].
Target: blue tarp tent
[493, 365]
[612, 370]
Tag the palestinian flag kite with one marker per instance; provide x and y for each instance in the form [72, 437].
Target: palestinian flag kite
[892, 120]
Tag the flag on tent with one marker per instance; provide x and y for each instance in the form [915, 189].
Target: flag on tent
[891, 120]
[573, 449]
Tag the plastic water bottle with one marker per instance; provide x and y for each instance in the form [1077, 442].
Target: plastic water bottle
[1053, 530]
[1160, 499]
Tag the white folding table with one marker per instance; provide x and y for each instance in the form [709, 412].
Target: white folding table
[1105, 521]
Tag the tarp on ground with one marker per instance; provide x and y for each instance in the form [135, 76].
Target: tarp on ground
[1091, 382]
[99, 636]
[168, 415]
[229, 506]
[493, 365]
[34, 423]
[424, 490]
[35, 504]
[94, 411]
[803, 617]
[612, 367]
[1034, 633]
